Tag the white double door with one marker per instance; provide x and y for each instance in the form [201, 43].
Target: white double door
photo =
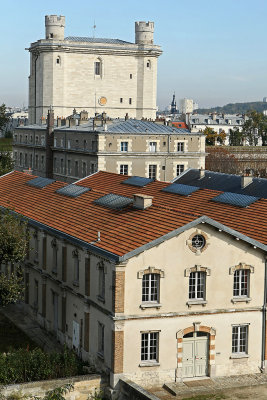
[195, 355]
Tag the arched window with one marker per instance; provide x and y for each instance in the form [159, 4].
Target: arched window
[148, 64]
[58, 60]
[98, 67]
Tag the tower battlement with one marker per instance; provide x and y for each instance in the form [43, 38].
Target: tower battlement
[144, 32]
[54, 27]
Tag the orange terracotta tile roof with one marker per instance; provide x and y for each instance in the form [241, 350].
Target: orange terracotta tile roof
[123, 231]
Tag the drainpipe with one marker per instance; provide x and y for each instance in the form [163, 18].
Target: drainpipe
[264, 339]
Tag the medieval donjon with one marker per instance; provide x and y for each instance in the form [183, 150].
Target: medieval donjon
[93, 74]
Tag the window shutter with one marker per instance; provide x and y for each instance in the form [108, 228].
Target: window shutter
[44, 251]
[64, 263]
[87, 277]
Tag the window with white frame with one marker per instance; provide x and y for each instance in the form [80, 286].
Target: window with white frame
[180, 147]
[124, 169]
[197, 284]
[153, 147]
[240, 339]
[101, 339]
[241, 283]
[124, 146]
[179, 169]
[149, 346]
[152, 171]
[150, 288]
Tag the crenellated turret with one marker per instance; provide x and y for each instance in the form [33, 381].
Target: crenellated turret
[144, 32]
[54, 27]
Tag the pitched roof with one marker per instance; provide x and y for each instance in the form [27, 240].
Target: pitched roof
[223, 182]
[126, 231]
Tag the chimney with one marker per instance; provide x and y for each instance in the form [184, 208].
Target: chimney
[142, 201]
[213, 116]
[246, 180]
[126, 117]
[201, 173]
[58, 121]
[83, 117]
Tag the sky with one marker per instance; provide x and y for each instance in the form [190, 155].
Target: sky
[214, 51]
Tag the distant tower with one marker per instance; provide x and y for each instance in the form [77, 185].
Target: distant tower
[173, 105]
[144, 32]
[54, 27]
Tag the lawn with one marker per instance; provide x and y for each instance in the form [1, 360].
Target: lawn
[11, 336]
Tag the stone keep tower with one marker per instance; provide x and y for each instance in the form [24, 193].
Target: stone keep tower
[93, 74]
[144, 32]
[54, 27]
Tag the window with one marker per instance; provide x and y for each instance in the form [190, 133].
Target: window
[26, 160]
[55, 142]
[124, 146]
[149, 346]
[198, 242]
[76, 173]
[55, 261]
[101, 281]
[84, 169]
[69, 167]
[150, 288]
[61, 166]
[197, 282]
[131, 76]
[51, 35]
[153, 147]
[20, 159]
[69, 144]
[76, 266]
[36, 294]
[179, 169]
[130, 100]
[121, 100]
[36, 161]
[93, 168]
[55, 164]
[240, 339]
[42, 140]
[84, 144]
[31, 160]
[101, 339]
[97, 68]
[148, 64]
[42, 161]
[36, 139]
[152, 171]
[62, 142]
[124, 169]
[180, 147]
[241, 283]
[58, 60]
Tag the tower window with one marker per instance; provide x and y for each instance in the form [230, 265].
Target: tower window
[121, 100]
[130, 100]
[51, 35]
[97, 68]
[131, 76]
[58, 60]
[148, 64]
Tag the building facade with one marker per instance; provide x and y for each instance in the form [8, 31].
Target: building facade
[95, 74]
[133, 282]
[129, 147]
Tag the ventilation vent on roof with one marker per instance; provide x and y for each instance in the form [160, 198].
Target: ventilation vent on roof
[235, 199]
[137, 181]
[72, 190]
[178, 188]
[113, 201]
[40, 182]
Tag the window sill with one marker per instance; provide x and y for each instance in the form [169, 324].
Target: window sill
[190, 303]
[150, 305]
[149, 364]
[241, 299]
[239, 355]
[76, 283]
[100, 298]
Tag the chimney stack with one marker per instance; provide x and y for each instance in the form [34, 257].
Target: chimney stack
[142, 201]
[246, 180]
[201, 173]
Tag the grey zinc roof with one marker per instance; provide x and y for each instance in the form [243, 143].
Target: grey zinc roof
[136, 126]
[219, 119]
[95, 40]
[223, 182]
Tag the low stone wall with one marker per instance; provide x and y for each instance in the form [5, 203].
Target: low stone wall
[129, 390]
[83, 386]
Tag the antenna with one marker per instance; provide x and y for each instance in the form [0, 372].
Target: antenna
[94, 28]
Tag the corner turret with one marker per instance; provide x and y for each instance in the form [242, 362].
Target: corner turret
[54, 27]
[144, 32]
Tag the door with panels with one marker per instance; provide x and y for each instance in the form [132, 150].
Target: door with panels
[195, 354]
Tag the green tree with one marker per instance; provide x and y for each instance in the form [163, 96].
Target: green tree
[235, 137]
[14, 239]
[6, 162]
[3, 117]
[255, 127]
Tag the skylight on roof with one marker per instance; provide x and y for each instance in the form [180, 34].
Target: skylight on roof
[40, 182]
[113, 201]
[72, 190]
[137, 181]
[178, 188]
[235, 199]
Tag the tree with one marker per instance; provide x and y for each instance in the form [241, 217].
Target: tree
[3, 117]
[14, 240]
[255, 127]
[6, 162]
[235, 137]
[220, 160]
[212, 136]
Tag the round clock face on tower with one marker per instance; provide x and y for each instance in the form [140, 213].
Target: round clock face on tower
[102, 101]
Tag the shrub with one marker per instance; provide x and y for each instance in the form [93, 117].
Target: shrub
[22, 365]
